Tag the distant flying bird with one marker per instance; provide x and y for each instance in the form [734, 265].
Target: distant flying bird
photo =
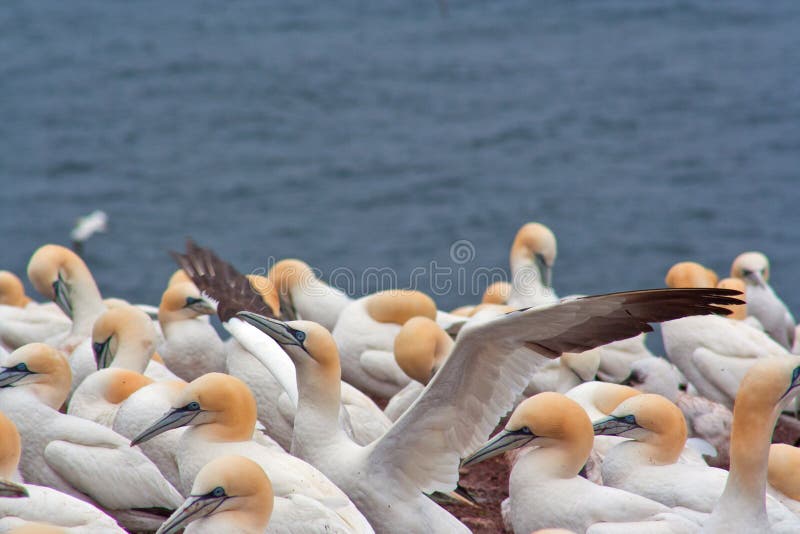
[86, 227]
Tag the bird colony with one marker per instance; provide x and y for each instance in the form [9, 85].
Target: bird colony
[316, 412]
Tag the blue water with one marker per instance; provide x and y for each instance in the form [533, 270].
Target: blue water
[376, 134]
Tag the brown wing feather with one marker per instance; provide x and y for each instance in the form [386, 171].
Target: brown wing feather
[221, 281]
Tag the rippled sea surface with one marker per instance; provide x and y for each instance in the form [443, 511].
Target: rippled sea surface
[376, 134]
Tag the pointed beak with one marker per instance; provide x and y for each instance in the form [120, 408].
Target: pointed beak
[102, 353]
[505, 440]
[612, 426]
[175, 418]
[12, 489]
[202, 306]
[61, 296]
[193, 508]
[277, 330]
[545, 271]
[10, 376]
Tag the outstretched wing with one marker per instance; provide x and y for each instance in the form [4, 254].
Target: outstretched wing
[490, 366]
[221, 281]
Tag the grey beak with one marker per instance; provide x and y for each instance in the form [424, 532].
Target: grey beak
[102, 353]
[195, 507]
[10, 376]
[505, 440]
[12, 489]
[277, 330]
[61, 292]
[613, 426]
[545, 271]
[173, 419]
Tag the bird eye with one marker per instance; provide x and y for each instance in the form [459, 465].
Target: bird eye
[219, 491]
[795, 374]
[21, 367]
[629, 419]
[746, 272]
[194, 406]
[300, 336]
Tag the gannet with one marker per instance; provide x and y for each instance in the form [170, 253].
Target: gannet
[532, 256]
[230, 494]
[220, 412]
[124, 337]
[420, 348]
[714, 353]
[60, 275]
[484, 374]
[40, 503]
[192, 347]
[705, 419]
[648, 464]
[86, 226]
[365, 335]
[310, 297]
[497, 293]
[544, 486]
[249, 352]
[762, 302]
[24, 321]
[782, 480]
[72, 455]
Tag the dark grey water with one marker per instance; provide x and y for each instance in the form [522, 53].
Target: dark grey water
[375, 134]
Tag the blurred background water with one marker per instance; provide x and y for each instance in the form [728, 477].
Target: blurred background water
[364, 134]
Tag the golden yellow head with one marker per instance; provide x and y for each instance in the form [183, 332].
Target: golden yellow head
[419, 348]
[49, 263]
[655, 414]
[10, 447]
[688, 274]
[291, 273]
[41, 368]
[12, 292]
[179, 277]
[497, 293]
[183, 301]
[399, 305]
[265, 287]
[784, 466]
[534, 239]
[552, 415]
[739, 311]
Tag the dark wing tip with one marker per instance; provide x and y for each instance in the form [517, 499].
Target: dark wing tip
[221, 281]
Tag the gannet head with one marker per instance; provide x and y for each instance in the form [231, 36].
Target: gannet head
[752, 268]
[769, 385]
[12, 292]
[690, 274]
[215, 399]
[183, 301]
[55, 271]
[41, 368]
[584, 364]
[784, 464]
[547, 420]
[291, 275]
[116, 385]
[227, 484]
[497, 293]
[10, 452]
[421, 347]
[123, 328]
[534, 244]
[738, 311]
[399, 305]
[648, 418]
[304, 341]
[179, 277]
[265, 287]
[654, 375]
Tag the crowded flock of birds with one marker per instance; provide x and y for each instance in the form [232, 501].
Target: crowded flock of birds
[117, 417]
